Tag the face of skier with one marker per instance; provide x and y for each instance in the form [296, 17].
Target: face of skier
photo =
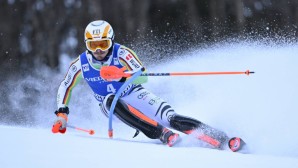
[100, 55]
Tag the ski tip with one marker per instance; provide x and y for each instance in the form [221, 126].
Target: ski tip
[236, 144]
[173, 140]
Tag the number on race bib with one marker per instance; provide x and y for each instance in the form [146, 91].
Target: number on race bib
[110, 88]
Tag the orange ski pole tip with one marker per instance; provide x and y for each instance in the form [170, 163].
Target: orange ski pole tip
[91, 132]
[110, 133]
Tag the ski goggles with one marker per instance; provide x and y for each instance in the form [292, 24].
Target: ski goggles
[103, 45]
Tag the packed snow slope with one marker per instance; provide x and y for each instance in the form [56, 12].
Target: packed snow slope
[23, 147]
[261, 108]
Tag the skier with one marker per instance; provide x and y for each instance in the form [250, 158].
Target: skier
[137, 106]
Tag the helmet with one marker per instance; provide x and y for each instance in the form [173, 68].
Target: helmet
[99, 35]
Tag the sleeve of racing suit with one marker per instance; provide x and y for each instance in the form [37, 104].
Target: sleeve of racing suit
[71, 79]
[130, 60]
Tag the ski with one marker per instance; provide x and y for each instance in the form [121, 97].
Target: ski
[236, 144]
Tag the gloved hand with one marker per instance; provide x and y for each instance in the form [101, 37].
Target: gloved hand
[113, 73]
[61, 121]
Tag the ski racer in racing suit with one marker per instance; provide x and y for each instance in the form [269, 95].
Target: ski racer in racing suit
[137, 106]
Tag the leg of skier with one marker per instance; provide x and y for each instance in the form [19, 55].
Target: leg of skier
[156, 108]
[134, 118]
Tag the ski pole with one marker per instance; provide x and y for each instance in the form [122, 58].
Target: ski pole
[91, 131]
[197, 73]
[117, 95]
[112, 72]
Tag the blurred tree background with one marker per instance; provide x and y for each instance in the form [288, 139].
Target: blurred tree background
[38, 32]
[35, 31]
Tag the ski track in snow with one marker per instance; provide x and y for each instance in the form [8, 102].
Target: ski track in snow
[260, 108]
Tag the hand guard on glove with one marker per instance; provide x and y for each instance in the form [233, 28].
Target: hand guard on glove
[61, 121]
[113, 73]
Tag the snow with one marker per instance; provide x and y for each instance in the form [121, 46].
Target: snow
[260, 108]
[24, 147]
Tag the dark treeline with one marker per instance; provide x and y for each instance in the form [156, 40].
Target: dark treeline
[41, 30]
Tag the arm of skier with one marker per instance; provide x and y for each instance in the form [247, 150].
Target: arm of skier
[71, 79]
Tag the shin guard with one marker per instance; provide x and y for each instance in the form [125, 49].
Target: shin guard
[136, 119]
